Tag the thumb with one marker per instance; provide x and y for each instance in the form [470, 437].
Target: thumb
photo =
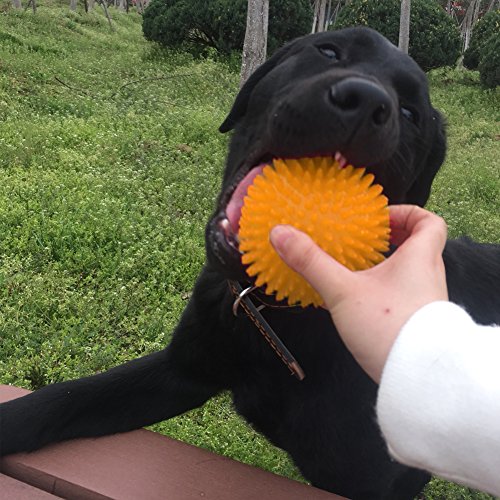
[299, 252]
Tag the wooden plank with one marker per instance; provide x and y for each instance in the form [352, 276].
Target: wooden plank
[147, 466]
[15, 490]
[8, 392]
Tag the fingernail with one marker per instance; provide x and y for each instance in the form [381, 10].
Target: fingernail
[280, 237]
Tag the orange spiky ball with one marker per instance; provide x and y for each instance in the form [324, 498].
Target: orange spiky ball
[339, 208]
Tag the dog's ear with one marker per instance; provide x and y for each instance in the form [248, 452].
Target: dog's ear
[241, 103]
[421, 189]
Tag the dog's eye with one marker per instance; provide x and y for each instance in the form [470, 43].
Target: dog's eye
[409, 114]
[328, 51]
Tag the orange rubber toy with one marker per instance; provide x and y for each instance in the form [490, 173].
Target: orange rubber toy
[339, 208]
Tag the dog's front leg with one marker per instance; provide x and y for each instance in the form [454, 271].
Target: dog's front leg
[127, 397]
[130, 396]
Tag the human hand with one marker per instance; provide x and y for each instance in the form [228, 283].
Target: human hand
[370, 307]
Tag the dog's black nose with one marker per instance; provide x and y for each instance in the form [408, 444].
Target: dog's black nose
[358, 98]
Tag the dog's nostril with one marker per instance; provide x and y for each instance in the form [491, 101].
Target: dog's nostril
[381, 115]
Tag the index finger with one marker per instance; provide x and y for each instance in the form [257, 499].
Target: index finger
[411, 220]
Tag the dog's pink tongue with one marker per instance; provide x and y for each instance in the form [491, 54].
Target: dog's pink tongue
[233, 210]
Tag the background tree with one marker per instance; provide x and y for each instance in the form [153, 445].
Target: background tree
[33, 5]
[17, 4]
[483, 53]
[467, 13]
[470, 19]
[458, 8]
[487, 28]
[255, 43]
[104, 6]
[435, 39]
[489, 64]
[325, 13]
[196, 25]
[404, 26]
[320, 17]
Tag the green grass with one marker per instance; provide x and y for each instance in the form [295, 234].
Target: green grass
[110, 162]
[467, 189]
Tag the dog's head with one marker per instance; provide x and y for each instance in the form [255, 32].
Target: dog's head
[348, 92]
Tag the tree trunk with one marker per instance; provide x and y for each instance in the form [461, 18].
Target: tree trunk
[491, 6]
[469, 20]
[91, 4]
[121, 5]
[73, 4]
[336, 11]
[322, 15]
[466, 30]
[105, 7]
[404, 26]
[448, 8]
[477, 11]
[315, 16]
[319, 18]
[255, 45]
[140, 6]
[17, 4]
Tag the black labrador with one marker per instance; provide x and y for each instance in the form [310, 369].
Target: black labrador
[349, 92]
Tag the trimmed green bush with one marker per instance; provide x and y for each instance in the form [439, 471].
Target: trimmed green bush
[434, 36]
[220, 24]
[489, 65]
[487, 27]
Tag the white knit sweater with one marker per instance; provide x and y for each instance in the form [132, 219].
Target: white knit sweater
[439, 398]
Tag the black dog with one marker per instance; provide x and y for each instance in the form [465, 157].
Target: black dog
[349, 91]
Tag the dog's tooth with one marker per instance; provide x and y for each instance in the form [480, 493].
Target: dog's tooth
[231, 238]
[225, 225]
[340, 158]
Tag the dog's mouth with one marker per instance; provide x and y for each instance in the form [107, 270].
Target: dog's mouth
[228, 220]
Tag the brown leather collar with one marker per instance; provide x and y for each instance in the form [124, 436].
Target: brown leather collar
[244, 300]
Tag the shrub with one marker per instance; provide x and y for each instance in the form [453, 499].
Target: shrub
[487, 27]
[489, 64]
[434, 36]
[220, 24]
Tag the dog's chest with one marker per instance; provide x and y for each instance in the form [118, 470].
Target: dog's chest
[274, 401]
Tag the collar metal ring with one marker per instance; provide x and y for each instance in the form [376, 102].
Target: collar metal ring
[240, 297]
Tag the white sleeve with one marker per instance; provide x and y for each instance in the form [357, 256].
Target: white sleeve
[439, 398]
